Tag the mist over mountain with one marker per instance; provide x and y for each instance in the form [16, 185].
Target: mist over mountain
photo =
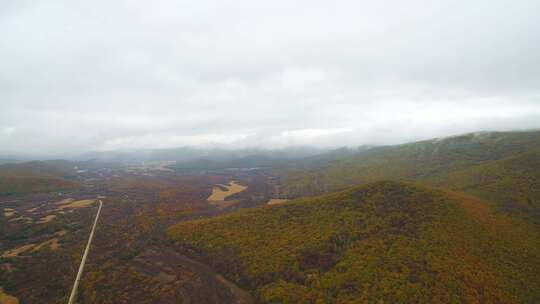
[191, 153]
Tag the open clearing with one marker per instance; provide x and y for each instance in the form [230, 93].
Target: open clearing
[65, 201]
[46, 219]
[53, 244]
[70, 203]
[277, 201]
[16, 251]
[9, 212]
[7, 299]
[220, 195]
[21, 218]
[32, 210]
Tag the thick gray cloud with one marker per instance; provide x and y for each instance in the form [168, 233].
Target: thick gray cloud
[101, 75]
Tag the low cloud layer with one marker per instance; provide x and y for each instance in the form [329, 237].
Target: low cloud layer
[79, 76]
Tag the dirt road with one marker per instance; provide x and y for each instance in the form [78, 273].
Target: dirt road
[73, 295]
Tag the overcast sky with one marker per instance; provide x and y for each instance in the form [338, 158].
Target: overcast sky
[78, 76]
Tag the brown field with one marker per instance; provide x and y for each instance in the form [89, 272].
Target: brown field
[9, 212]
[277, 201]
[224, 204]
[7, 299]
[21, 218]
[32, 210]
[46, 219]
[53, 244]
[219, 195]
[70, 203]
[16, 251]
[65, 201]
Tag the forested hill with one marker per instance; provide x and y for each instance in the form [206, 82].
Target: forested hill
[382, 242]
[492, 165]
[512, 183]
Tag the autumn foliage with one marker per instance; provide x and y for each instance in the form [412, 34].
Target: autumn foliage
[384, 242]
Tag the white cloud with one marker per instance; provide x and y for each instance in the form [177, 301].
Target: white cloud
[77, 76]
[158, 141]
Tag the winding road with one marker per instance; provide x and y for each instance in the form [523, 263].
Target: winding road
[73, 295]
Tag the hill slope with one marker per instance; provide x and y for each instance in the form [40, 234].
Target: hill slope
[384, 241]
[503, 167]
[513, 183]
[49, 168]
[414, 161]
[36, 176]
